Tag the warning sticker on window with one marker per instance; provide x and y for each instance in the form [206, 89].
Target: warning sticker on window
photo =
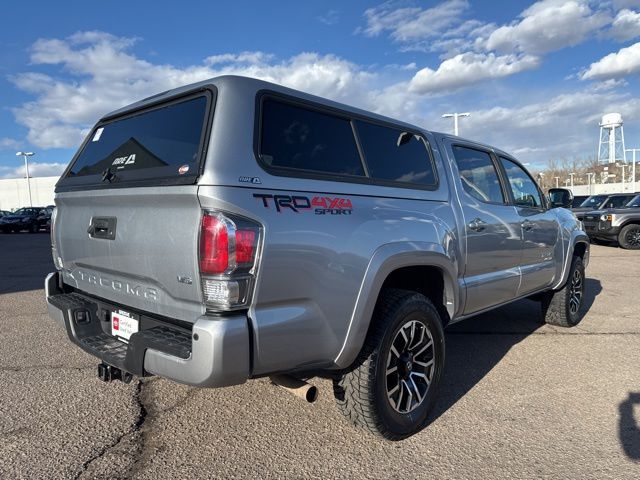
[98, 134]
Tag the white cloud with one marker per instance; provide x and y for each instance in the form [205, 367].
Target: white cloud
[36, 169]
[242, 57]
[412, 23]
[473, 50]
[467, 69]
[609, 84]
[626, 25]
[525, 150]
[407, 66]
[332, 17]
[564, 126]
[94, 73]
[9, 143]
[548, 25]
[626, 3]
[625, 61]
[102, 75]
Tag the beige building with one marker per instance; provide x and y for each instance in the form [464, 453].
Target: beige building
[14, 192]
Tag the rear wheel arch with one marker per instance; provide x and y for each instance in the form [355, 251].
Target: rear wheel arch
[428, 280]
[400, 265]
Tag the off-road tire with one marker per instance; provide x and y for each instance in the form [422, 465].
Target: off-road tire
[557, 305]
[361, 392]
[629, 237]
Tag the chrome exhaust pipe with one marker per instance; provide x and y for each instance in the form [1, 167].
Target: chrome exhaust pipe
[298, 387]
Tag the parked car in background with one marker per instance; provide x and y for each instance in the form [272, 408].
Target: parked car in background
[577, 200]
[616, 224]
[44, 219]
[28, 218]
[599, 202]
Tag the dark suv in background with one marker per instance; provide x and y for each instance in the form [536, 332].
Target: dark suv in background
[599, 202]
[616, 224]
[577, 200]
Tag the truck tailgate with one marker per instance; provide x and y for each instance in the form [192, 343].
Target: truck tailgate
[151, 263]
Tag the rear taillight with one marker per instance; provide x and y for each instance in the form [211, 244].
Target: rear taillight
[245, 246]
[228, 255]
[214, 245]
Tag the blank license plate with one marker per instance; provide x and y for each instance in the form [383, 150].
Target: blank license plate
[123, 325]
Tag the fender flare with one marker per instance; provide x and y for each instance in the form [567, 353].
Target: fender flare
[385, 260]
[577, 236]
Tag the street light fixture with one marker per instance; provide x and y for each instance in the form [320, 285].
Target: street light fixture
[455, 117]
[26, 155]
[590, 176]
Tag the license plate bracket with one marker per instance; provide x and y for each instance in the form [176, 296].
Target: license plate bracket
[124, 324]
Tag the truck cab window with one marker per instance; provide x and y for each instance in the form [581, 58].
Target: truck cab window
[524, 189]
[478, 174]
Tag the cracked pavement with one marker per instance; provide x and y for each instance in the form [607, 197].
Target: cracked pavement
[518, 400]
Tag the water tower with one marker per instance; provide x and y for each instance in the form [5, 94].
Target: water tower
[611, 146]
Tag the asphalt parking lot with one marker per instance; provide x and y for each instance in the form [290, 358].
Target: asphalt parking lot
[519, 400]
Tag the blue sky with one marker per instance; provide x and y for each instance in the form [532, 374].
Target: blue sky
[536, 76]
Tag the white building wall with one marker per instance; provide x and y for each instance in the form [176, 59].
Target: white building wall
[598, 188]
[15, 194]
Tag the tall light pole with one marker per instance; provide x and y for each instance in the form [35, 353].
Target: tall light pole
[589, 176]
[26, 156]
[571, 177]
[455, 117]
[633, 168]
[557, 179]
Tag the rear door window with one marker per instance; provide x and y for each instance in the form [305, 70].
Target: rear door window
[524, 189]
[294, 137]
[478, 174]
[160, 143]
[395, 155]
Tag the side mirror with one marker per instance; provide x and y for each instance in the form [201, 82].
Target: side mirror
[560, 197]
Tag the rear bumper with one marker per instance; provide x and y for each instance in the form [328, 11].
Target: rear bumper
[214, 353]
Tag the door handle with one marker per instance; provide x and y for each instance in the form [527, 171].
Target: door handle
[103, 227]
[527, 225]
[477, 225]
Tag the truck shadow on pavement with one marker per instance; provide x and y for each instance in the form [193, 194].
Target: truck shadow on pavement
[629, 427]
[475, 346]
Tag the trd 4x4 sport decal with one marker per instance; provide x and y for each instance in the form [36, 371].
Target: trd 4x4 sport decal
[299, 203]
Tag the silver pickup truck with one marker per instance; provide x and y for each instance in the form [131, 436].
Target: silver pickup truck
[236, 229]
